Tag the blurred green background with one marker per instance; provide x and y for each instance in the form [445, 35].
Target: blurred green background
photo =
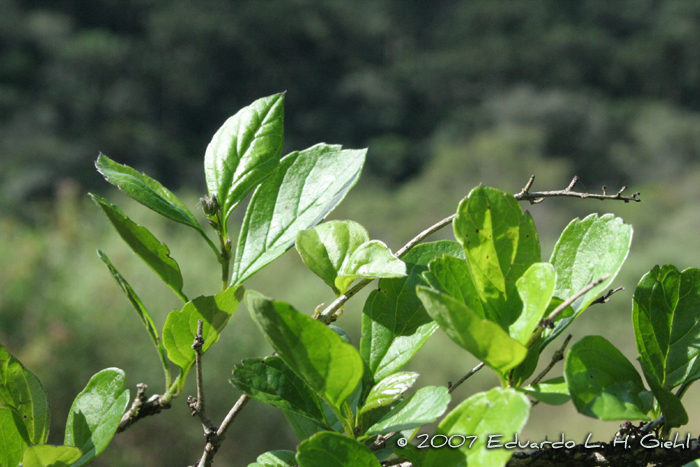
[446, 94]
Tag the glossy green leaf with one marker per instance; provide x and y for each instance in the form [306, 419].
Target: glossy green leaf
[500, 243]
[328, 246]
[333, 449]
[483, 338]
[146, 191]
[12, 443]
[667, 324]
[535, 288]
[276, 459]
[492, 417]
[317, 354]
[451, 276]
[306, 186]
[145, 245]
[420, 408]
[245, 151]
[271, 381]
[95, 414]
[603, 383]
[587, 250]
[21, 390]
[140, 309]
[181, 325]
[388, 390]
[671, 406]
[369, 261]
[46, 455]
[554, 391]
[395, 324]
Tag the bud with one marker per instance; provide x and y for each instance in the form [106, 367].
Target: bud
[209, 205]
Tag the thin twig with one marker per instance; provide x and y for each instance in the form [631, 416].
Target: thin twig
[142, 407]
[605, 298]
[557, 357]
[380, 442]
[451, 387]
[215, 439]
[196, 405]
[539, 196]
[548, 322]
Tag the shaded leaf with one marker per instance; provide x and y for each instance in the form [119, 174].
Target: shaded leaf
[388, 390]
[140, 309]
[145, 245]
[603, 383]
[244, 151]
[395, 324]
[483, 338]
[494, 416]
[271, 381]
[95, 414]
[21, 391]
[330, 449]
[420, 408]
[587, 250]
[535, 288]
[305, 187]
[317, 354]
[671, 406]
[46, 455]
[146, 191]
[181, 325]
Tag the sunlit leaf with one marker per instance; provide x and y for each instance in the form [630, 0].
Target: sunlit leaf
[420, 408]
[553, 391]
[146, 191]
[388, 390]
[95, 414]
[244, 151]
[305, 187]
[276, 459]
[12, 441]
[46, 455]
[21, 391]
[329, 365]
[490, 417]
[180, 326]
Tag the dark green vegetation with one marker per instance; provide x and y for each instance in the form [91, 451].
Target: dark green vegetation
[488, 290]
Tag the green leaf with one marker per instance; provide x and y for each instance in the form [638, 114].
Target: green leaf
[245, 151]
[96, 412]
[276, 459]
[140, 310]
[369, 261]
[420, 408]
[452, 277]
[302, 426]
[667, 324]
[494, 416]
[181, 325]
[500, 243]
[305, 187]
[587, 250]
[144, 244]
[395, 324]
[388, 390]
[46, 455]
[671, 406]
[330, 449]
[603, 383]
[535, 288]
[271, 381]
[483, 338]
[328, 246]
[146, 191]
[317, 354]
[21, 391]
[554, 391]
[12, 443]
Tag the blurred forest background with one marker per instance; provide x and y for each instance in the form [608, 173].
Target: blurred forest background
[446, 94]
